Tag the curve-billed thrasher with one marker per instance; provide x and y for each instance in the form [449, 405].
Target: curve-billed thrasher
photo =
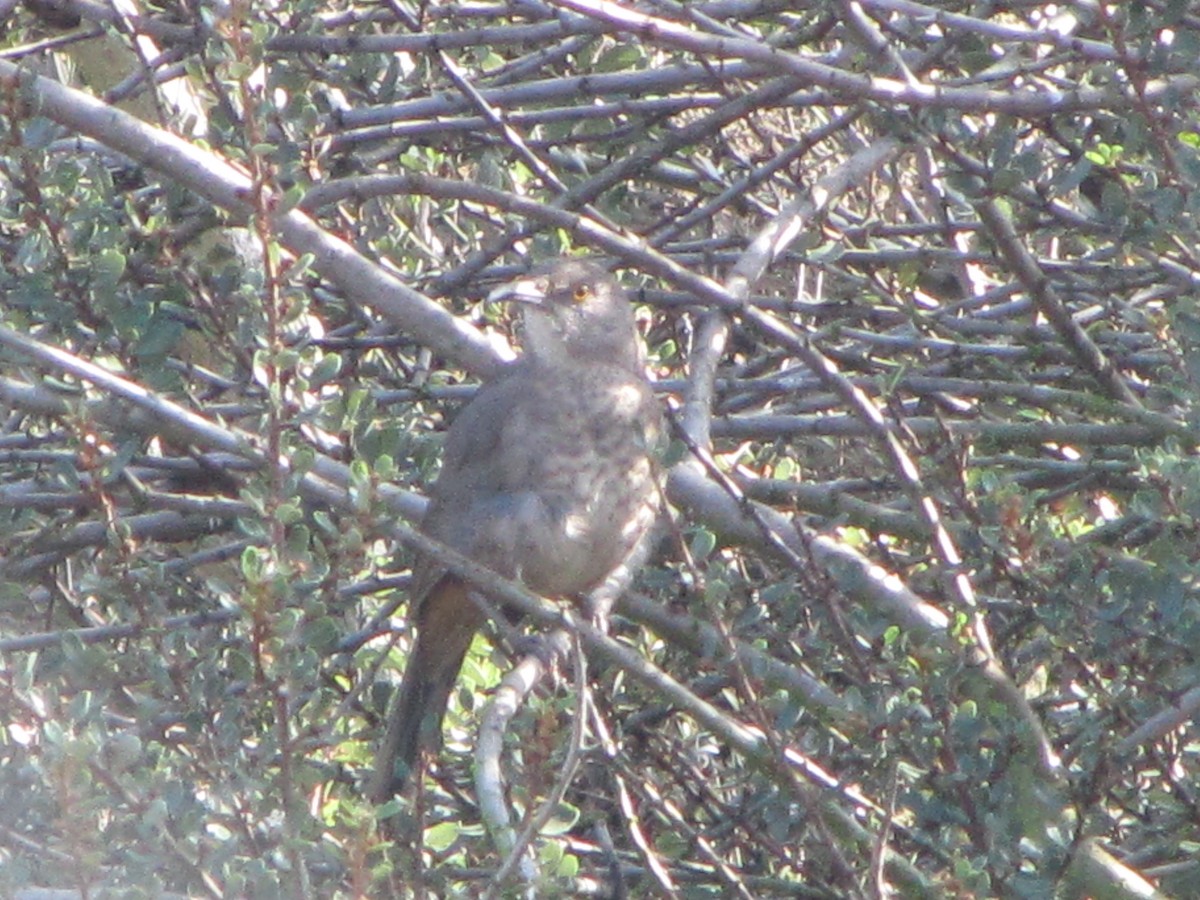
[547, 479]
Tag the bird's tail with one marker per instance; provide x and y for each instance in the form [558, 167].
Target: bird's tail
[447, 622]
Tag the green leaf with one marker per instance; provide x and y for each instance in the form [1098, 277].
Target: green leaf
[441, 837]
[703, 543]
[108, 266]
[254, 565]
[562, 820]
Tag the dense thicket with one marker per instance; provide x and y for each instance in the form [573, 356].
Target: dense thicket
[920, 287]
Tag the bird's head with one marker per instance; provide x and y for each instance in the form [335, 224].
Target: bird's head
[574, 309]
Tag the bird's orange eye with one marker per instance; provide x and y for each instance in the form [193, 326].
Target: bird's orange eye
[582, 292]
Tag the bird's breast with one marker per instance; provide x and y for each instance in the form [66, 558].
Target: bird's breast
[585, 484]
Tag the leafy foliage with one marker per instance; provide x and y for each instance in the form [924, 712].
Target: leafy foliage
[926, 618]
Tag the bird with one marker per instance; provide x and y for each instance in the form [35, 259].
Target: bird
[547, 478]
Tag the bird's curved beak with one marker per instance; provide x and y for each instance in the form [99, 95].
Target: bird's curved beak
[522, 290]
